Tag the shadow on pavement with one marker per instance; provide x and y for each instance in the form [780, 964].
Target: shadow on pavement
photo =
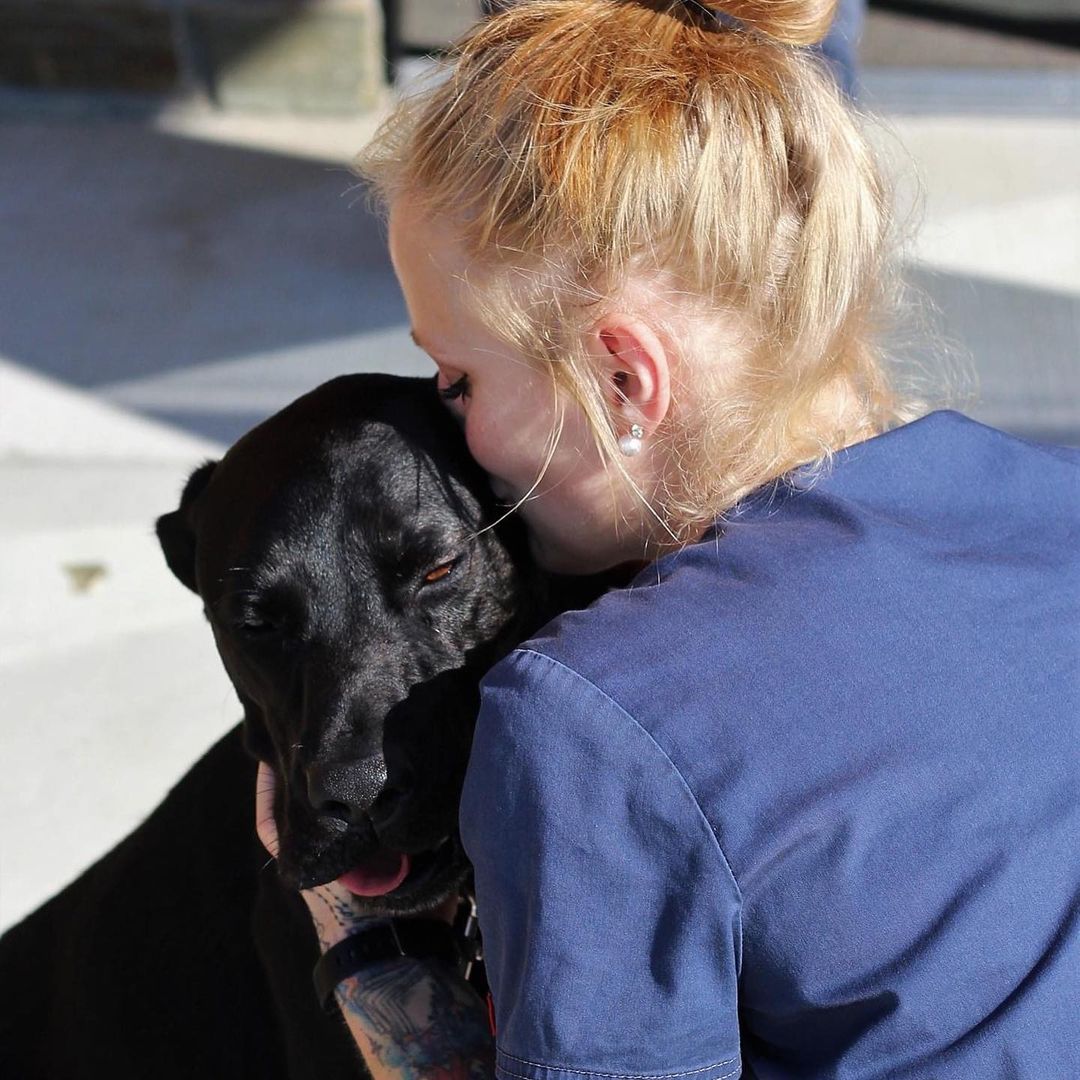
[207, 285]
[141, 253]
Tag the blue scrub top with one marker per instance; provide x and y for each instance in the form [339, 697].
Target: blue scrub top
[804, 799]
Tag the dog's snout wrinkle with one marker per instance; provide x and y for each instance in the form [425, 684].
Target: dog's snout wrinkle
[346, 789]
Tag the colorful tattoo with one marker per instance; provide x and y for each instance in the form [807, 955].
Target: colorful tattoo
[423, 1022]
[334, 916]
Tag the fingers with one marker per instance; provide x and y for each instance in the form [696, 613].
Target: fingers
[265, 824]
[329, 899]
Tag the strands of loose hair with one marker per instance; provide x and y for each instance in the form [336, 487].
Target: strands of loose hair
[592, 151]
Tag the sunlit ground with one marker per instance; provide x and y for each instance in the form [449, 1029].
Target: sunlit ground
[169, 283]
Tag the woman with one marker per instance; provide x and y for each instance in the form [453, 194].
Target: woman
[801, 799]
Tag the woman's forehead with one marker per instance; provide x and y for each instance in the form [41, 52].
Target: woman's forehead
[417, 237]
[439, 280]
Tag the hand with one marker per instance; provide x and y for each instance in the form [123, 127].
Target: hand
[337, 914]
[407, 1018]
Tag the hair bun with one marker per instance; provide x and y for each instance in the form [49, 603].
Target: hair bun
[792, 22]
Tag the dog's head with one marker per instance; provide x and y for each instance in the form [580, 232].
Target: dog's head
[356, 598]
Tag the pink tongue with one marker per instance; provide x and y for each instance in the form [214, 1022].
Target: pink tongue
[381, 873]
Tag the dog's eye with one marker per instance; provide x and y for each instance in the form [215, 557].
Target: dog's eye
[439, 572]
[257, 623]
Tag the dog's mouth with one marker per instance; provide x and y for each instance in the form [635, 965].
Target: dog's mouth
[313, 852]
[378, 875]
[385, 871]
[390, 880]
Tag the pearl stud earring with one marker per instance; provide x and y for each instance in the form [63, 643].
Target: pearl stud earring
[630, 444]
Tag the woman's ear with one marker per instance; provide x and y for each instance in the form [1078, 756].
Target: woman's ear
[634, 368]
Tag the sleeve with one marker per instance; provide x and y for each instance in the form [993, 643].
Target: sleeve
[610, 918]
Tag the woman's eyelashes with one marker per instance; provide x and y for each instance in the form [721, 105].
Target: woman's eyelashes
[455, 390]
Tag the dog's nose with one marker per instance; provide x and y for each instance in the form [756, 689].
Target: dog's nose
[346, 789]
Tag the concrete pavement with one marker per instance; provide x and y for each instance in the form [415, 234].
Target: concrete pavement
[169, 282]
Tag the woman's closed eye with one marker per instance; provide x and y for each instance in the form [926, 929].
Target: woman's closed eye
[459, 388]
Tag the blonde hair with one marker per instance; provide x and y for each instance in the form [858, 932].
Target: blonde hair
[584, 147]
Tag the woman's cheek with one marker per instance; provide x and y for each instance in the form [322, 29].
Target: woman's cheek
[478, 440]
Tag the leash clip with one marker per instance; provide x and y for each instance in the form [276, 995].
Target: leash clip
[467, 927]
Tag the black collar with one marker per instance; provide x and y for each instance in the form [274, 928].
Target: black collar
[458, 946]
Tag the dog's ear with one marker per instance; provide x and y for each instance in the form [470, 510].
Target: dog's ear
[176, 531]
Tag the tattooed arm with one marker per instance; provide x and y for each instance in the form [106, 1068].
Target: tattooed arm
[410, 1020]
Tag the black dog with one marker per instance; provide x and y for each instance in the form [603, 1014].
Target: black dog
[357, 594]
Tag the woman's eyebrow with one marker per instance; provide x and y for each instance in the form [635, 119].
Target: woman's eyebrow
[430, 350]
[417, 342]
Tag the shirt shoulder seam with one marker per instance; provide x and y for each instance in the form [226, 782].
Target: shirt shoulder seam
[663, 753]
